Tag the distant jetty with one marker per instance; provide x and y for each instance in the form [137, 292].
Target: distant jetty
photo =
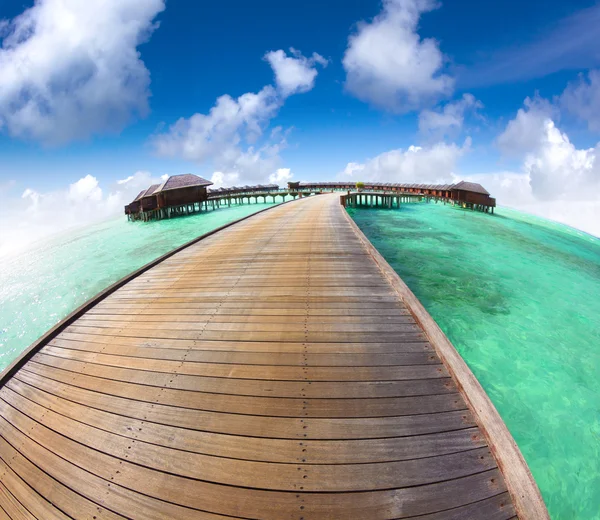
[188, 193]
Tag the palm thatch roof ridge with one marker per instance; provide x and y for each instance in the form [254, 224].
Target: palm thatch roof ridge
[471, 186]
[185, 180]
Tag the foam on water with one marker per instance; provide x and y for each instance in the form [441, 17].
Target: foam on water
[519, 297]
[42, 286]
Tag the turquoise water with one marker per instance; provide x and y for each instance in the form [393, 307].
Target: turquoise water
[520, 299]
[42, 286]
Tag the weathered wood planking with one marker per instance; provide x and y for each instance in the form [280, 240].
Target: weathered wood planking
[268, 371]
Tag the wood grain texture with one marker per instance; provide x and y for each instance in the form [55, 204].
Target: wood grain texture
[523, 489]
[270, 371]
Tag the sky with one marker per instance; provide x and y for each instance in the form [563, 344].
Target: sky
[100, 98]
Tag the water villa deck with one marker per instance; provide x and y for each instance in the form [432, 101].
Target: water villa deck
[276, 369]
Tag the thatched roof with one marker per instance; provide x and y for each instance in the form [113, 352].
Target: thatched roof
[140, 195]
[185, 180]
[150, 191]
[471, 186]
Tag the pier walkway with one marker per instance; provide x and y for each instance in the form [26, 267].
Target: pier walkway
[272, 371]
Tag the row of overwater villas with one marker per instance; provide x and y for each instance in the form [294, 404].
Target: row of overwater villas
[186, 189]
[189, 190]
[468, 193]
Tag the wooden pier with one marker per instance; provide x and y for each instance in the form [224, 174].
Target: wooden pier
[276, 369]
[376, 199]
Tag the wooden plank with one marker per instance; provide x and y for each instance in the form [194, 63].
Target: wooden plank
[209, 335]
[14, 509]
[246, 316]
[498, 507]
[359, 359]
[264, 372]
[303, 319]
[259, 308]
[264, 406]
[256, 387]
[256, 426]
[4, 514]
[230, 500]
[418, 345]
[251, 448]
[208, 325]
[245, 473]
[123, 502]
[38, 506]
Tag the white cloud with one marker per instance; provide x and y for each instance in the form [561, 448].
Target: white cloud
[36, 215]
[231, 135]
[71, 69]
[526, 131]
[85, 189]
[449, 118]
[221, 179]
[352, 168]
[558, 180]
[294, 74]
[556, 168]
[416, 164]
[390, 66]
[582, 99]
[218, 133]
[281, 176]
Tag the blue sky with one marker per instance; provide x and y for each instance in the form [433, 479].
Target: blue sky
[383, 76]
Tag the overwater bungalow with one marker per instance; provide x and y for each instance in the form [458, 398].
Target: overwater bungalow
[148, 201]
[179, 194]
[472, 194]
[134, 206]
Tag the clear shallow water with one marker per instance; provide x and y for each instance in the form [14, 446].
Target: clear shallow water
[520, 299]
[42, 286]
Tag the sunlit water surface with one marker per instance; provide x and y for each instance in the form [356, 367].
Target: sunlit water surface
[42, 286]
[520, 299]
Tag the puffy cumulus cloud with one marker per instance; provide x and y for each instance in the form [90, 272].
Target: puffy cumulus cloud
[231, 135]
[352, 168]
[70, 69]
[557, 180]
[449, 118]
[556, 168]
[35, 215]
[86, 189]
[390, 66]
[416, 164]
[582, 99]
[526, 131]
[218, 133]
[221, 179]
[281, 176]
[294, 74]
